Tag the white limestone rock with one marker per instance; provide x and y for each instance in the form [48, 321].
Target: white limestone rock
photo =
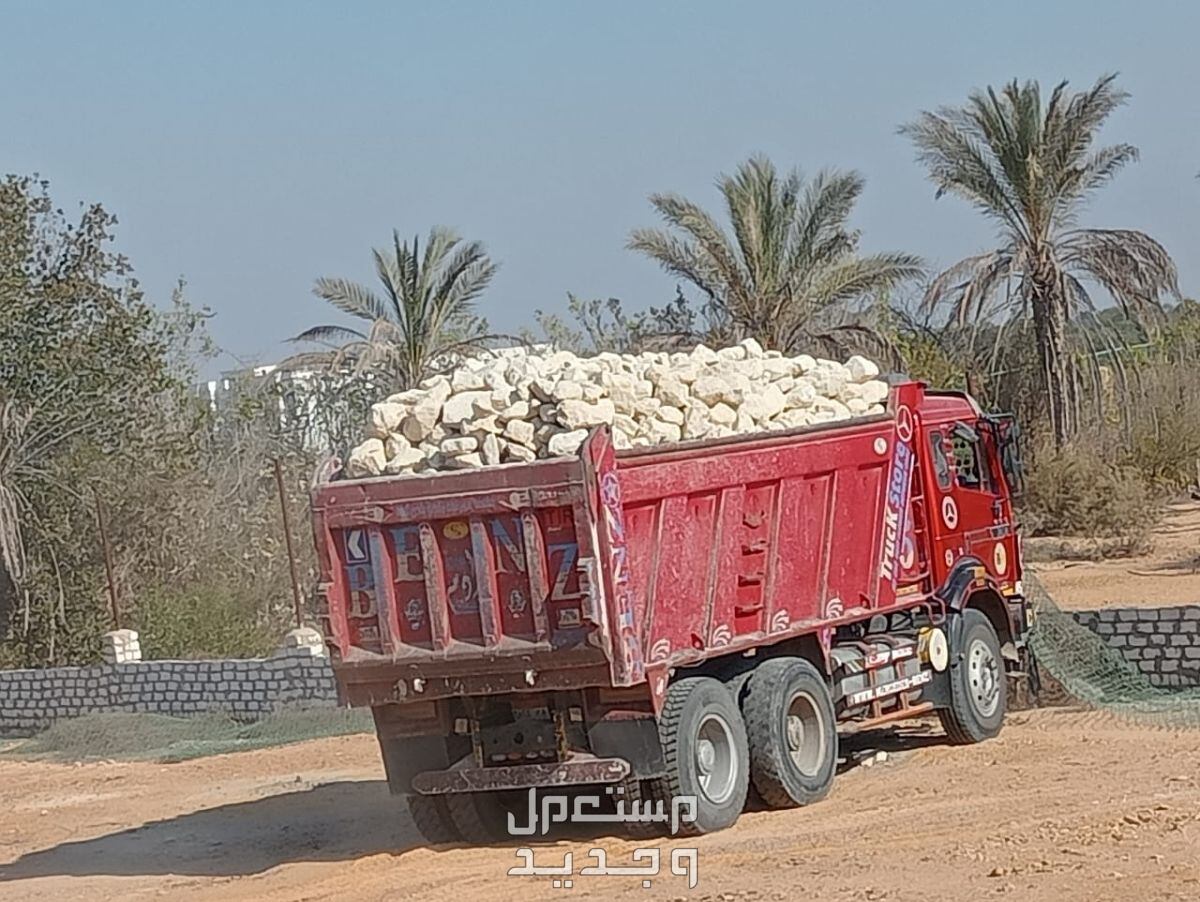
[462, 444]
[874, 391]
[567, 443]
[386, 417]
[490, 449]
[519, 431]
[860, 369]
[368, 459]
[673, 393]
[671, 415]
[580, 414]
[404, 460]
[520, 404]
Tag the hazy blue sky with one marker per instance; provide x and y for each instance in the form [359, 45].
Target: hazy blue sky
[252, 146]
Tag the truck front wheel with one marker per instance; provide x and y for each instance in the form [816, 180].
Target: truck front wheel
[704, 746]
[792, 730]
[978, 687]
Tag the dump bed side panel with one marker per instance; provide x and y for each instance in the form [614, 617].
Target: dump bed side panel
[750, 542]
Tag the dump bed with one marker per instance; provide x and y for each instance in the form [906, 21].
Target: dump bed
[601, 570]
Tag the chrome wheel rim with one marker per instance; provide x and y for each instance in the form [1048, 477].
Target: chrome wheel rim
[803, 734]
[716, 759]
[983, 675]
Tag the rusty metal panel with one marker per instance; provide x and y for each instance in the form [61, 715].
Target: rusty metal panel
[435, 591]
[723, 567]
[484, 560]
[536, 564]
[390, 636]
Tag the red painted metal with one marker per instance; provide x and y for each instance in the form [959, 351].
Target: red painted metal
[632, 563]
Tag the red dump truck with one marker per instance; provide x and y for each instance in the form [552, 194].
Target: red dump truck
[685, 620]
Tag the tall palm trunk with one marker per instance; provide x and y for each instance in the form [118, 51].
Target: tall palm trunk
[1050, 332]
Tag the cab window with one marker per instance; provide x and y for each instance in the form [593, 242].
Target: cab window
[970, 467]
[941, 465]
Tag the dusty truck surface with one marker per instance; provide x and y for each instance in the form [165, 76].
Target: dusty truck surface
[682, 620]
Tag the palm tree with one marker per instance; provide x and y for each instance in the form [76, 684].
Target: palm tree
[425, 314]
[790, 275]
[1028, 166]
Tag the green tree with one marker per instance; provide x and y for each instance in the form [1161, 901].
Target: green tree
[1028, 166]
[791, 274]
[94, 388]
[426, 314]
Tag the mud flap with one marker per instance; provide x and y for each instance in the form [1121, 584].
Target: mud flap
[635, 739]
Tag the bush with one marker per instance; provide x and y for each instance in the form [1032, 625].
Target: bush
[203, 621]
[1076, 491]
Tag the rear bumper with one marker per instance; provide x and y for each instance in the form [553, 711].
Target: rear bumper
[574, 771]
[367, 682]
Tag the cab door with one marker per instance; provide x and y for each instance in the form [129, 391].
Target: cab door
[969, 509]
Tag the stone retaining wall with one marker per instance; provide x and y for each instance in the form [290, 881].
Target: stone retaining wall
[1163, 643]
[297, 675]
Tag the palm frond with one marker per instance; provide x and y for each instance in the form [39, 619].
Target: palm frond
[708, 237]
[1134, 268]
[328, 334]
[350, 297]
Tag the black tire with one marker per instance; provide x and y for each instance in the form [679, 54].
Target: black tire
[481, 818]
[638, 792]
[978, 688]
[792, 730]
[704, 747]
[432, 818]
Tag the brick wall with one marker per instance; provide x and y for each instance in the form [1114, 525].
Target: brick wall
[1163, 643]
[297, 675]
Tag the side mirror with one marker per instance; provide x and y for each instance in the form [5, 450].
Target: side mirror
[1008, 445]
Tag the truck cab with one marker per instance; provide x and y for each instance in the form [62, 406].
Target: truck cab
[971, 475]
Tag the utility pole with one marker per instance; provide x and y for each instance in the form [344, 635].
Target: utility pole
[287, 538]
[106, 548]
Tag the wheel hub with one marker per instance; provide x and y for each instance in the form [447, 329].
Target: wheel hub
[795, 733]
[983, 673]
[706, 756]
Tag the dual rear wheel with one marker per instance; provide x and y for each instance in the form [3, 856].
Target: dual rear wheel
[781, 741]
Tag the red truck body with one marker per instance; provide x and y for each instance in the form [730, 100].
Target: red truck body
[609, 574]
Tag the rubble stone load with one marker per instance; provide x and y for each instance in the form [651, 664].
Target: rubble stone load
[520, 404]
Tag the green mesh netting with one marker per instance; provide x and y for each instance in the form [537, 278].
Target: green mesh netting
[1088, 670]
[160, 737]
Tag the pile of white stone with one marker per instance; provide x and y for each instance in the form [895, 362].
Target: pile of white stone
[520, 404]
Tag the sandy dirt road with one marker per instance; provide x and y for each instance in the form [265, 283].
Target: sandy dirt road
[1166, 575]
[1064, 805]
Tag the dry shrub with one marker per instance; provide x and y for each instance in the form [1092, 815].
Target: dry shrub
[1164, 425]
[1079, 491]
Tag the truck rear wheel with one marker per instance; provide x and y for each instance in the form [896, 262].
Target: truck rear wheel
[791, 726]
[704, 746]
[479, 817]
[432, 818]
[978, 687]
